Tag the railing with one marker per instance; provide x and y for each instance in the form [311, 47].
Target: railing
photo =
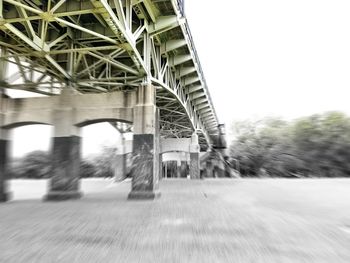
[181, 6]
[200, 67]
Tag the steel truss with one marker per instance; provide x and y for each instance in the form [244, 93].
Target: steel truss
[99, 46]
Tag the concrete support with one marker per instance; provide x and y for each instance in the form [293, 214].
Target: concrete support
[120, 167]
[209, 169]
[165, 169]
[161, 167]
[64, 183]
[194, 157]
[178, 169]
[4, 143]
[183, 169]
[219, 164]
[145, 167]
[120, 162]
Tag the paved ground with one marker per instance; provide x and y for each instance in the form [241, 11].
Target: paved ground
[194, 221]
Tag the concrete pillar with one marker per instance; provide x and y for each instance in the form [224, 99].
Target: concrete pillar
[178, 168]
[194, 157]
[209, 169]
[161, 167]
[220, 170]
[4, 143]
[66, 145]
[219, 163]
[145, 167]
[183, 168]
[120, 162]
[119, 167]
[166, 169]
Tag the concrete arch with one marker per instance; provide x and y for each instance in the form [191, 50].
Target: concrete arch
[90, 121]
[29, 110]
[92, 108]
[15, 119]
[26, 117]
[21, 124]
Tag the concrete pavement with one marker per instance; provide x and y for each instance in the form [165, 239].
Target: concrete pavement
[223, 220]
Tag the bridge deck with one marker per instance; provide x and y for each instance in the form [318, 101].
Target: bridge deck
[194, 221]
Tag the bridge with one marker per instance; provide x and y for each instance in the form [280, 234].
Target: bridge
[120, 61]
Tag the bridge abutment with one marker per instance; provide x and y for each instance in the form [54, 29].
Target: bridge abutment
[145, 167]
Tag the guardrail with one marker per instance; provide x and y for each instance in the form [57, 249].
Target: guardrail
[180, 7]
[188, 31]
[181, 4]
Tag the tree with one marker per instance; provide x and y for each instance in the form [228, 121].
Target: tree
[36, 164]
[323, 141]
[317, 145]
[87, 169]
[104, 162]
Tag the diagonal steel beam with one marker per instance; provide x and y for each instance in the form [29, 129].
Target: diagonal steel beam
[115, 63]
[115, 24]
[60, 20]
[32, 44]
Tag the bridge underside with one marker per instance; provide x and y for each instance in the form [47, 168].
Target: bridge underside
[105, 46]
[141, 50]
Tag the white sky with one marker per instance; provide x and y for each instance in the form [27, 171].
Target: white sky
[38, 137]
[271, 57]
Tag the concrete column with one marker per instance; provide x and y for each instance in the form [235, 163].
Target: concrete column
[219, 166]
[4, 143]
[220, 170]
[145, 167]
[120, 167]
[209, 169]
[66, 145]
[194, 157]
[178, 168]
[161, 167]
[120, 162]
[183, 169]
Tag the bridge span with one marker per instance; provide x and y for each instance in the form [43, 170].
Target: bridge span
[130, 61]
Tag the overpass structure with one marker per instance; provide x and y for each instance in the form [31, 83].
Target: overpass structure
[131, 61]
